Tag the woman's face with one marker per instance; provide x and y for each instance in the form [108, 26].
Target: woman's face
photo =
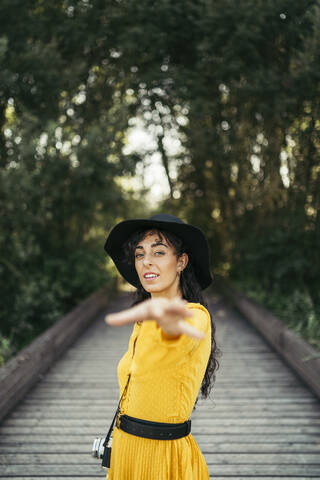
[156, 256]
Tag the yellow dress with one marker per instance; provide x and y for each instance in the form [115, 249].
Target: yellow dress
[166, 375]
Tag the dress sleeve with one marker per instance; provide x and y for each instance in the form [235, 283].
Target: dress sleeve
[158, 351]
[199, 320]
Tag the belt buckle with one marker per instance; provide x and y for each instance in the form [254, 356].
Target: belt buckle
[188, 426]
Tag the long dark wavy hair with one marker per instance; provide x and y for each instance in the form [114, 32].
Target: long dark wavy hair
[191, 291]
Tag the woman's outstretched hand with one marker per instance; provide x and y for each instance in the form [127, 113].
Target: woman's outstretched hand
[168, 313]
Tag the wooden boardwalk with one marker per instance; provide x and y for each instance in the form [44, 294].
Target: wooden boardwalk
[260, 423]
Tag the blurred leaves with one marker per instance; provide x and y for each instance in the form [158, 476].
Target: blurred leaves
[236, 87]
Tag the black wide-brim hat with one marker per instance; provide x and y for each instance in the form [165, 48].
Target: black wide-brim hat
[194, 239]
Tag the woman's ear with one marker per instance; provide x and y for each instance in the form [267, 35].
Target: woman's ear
[183, 261]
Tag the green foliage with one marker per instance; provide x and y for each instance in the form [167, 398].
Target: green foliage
[250, 170]
[5, 350]
[270, 268]
[295, 308]
[61, 139]
[237, 85]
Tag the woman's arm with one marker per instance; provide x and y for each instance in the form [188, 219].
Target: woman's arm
[168, 313]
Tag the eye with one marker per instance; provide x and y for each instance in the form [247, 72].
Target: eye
[162, 253]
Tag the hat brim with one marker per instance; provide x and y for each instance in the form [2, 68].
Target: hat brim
[194, 239]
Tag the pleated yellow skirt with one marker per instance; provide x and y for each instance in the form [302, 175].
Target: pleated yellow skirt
[138, 458]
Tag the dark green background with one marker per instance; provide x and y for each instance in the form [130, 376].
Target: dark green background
[245, 75]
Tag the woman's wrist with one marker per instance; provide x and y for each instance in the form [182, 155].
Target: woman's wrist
[169, 336]
[139, 312]
[129, 315]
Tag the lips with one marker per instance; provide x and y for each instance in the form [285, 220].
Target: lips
[152, 275]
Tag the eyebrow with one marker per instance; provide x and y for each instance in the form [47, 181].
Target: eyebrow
[154, 245]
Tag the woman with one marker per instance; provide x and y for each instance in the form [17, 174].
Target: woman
[172, 350]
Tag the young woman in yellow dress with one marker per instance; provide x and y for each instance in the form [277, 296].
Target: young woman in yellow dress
[172, 349]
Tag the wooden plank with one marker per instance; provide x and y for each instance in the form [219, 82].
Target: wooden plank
[106, 412]
[212, 476]
[197, 422]
[297, 352]
[261, 422]
[212, 458]
[23, 371]
[234, 469]
[215, 477]
[205, 429]
[234, 438]
[239, 445]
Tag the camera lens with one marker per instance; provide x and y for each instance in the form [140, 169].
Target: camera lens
[97, 447]
[101, 448]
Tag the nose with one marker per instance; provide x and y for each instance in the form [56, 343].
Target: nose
[146, 260]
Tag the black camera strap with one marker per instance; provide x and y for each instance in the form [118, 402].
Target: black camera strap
[107, 450]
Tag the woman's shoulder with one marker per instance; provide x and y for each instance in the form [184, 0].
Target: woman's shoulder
[201, 316]
[198, 306]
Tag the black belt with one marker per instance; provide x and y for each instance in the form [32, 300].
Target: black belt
[155, 430]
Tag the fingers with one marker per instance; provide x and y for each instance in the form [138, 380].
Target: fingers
[157, 309]
[117, 319]
[175, 306]
[182, 309]
[190, 330]
[129, 315]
